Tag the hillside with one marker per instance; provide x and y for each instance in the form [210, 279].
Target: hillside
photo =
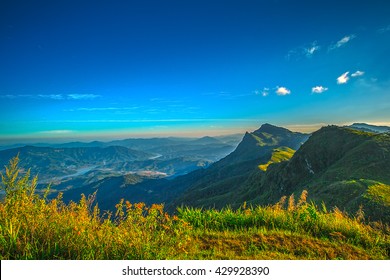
[218, 185]
[220, 178]
[341, 166]
[34, 227]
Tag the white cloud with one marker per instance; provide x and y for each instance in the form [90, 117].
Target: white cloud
[138, 121]
[357, 74]
[264, 92]
[309, 51]
[56, 131]
[8, 96]
[303, 51]
[282, 91]
[51, 96]
[343, 79]
[82, 96]
[318, 89]
[342, 42]
[91, 109]
[384, 29]
[98, 109]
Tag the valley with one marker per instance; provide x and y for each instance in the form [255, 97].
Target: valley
[77, 164]
[328, 192]
[345, 167]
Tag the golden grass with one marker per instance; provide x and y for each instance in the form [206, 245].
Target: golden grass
[33, 227]
[278, 155]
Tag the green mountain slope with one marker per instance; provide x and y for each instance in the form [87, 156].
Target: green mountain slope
[278, 155]
[218, 185]
[342, 167]
[35, 227]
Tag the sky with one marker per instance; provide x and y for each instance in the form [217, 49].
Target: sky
[116, 69]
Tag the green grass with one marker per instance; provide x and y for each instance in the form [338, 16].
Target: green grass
[278, 155]
[380, 193]
[33, 227]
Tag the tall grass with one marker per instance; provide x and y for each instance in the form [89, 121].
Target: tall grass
[33, 227]
[298, 217]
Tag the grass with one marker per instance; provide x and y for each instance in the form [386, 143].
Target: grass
[380, 193]
[34, 227]
[278, 155]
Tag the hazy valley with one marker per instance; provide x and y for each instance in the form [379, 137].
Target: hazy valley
[269, 194]
[347, 167]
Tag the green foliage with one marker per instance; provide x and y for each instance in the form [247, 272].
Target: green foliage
[14, 185]
[33, 227]
[278, 155]
[380, 193]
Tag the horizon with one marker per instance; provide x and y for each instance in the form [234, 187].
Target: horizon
[112, 137]
[189, 69]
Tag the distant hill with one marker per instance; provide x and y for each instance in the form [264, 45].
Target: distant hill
[344, 167]
[205, 148]
[222, 177]
[370, 128]
[132, 187]
[56, 162]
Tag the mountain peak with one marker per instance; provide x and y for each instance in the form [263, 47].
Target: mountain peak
[272, 129]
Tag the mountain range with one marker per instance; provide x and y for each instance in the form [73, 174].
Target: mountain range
[346, 167]
[78, 164]
[343, 167]
[59, 162]
[370, 128]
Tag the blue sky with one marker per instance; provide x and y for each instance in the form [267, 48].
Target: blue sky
[117, 69]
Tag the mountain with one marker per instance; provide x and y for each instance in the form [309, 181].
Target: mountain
[77, 145]
[208, 185]
[231, 139]
[59, 162]
[370, 128]
[207, 140]
[131, 187]
[343, 167]
[217, 185]
[58, 145]
[205, 148]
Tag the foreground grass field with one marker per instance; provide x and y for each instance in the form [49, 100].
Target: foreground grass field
[33, 227]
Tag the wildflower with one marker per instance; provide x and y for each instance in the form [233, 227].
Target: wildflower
[128, 204]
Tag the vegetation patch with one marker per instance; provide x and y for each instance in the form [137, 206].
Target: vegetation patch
[379, 193]
[34, 227]
[278, 155]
